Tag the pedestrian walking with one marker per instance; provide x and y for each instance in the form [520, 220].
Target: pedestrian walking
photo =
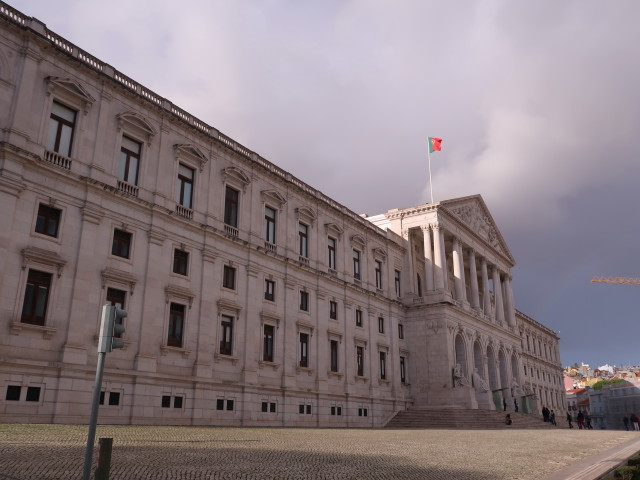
[625, 420]
[515, 404]
[569, 420]
[552, 417]
[635, 421]
[545, 414]
[580, 420]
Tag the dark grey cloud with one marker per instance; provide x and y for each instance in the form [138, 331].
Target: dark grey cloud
[536, 102]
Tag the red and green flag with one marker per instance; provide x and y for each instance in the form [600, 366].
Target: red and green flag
[435, 144]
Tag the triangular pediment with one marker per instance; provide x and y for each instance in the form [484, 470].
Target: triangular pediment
[71, 91]
[473, 212]
[192, 152]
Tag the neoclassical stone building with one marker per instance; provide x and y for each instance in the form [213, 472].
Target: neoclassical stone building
[252, 298]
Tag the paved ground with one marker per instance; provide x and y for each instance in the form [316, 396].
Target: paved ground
[48, 452]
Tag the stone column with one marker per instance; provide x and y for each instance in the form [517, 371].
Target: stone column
[512, 307]
[445, 270]
[428, 258]
[412, 275]
[497, 291]
[457, 269]
[475, 296]
[438, 253]
[486, 298]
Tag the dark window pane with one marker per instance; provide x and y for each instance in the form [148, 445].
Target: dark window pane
[229, 404]
[48, 220]
[13, 393]
[272, 407]
[121, 246]
[166, 401]
[36, 297]
[180, 262]
[231, 206]
[102, 398]
[177, 402]
[114, 398]
[176, 325]
[220, 404]
[265, 406]
[300, 408]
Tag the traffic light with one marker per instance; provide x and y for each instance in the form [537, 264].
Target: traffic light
[110, 326]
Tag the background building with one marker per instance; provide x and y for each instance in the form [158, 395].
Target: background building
[253, 298]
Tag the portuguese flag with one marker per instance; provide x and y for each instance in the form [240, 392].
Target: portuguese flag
[435, 144]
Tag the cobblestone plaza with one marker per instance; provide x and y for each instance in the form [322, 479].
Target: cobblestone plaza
[48, 452]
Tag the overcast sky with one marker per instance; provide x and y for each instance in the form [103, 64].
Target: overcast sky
[537, 103]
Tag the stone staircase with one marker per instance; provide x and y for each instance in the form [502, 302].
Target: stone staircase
[446, 418]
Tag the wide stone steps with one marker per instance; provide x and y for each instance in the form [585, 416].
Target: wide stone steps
[463, 419]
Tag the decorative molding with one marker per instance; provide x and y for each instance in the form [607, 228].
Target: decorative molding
[46, 257]
[306, 214]
[118, 276]
[273, 197]
[136, 123]
[224, 303]
[235, 176]
[69, 89]
[190, 152]
[178, 292]
[333, 229]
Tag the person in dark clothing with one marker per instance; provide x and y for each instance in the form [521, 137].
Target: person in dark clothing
[545, 414]
[580, 420]
[507, 419]
[569, 420]
[625, 420]
[515, 404]
[504, 404]
[552, 417]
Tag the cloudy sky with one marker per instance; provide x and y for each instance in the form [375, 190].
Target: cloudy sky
[537, 102]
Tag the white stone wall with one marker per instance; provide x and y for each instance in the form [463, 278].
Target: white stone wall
[60, 357]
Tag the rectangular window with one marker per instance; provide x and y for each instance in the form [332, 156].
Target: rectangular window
[226, 338]
[177, 402]
[176, 325]
[403, 374]
[336, 410]
[333, 310]
[180, 262]
[272, 407]
[48, 220]
[61, 127]
[166, 401]
[36, 297]
[270, 224]
[334, 355]
[301, 409]
[378, 274]
[383, 365]
[400, 331]
[303, 238]
[101, 402]
[267, 344]
[229, 405]
[304, 350]
[129, 160]
[304, 301]
[380, 324]
[332, 252]
[114, 398]
[229, 277]
[358, 318]
[13, 393]
[231, 200]
[269, 290]
[219, 404]
[184, 193]
[121, 246]
[360, 361]
[362, 412]
[308, 409]
[265, 406]
[397, 279]
[356, 264]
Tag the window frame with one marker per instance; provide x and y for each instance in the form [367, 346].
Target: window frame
[333, 310]
[32, 318]
[268, 343]
[176, 331]
[269, 290]
[231, 212]
[303, 239]
[227, 324]
[331, 250]
[180, 262]
[378, 273]
[48, 219]
[304, 301]
[360, 360]
[125, 171]
[61, 123]
[357, 265]
[334, 355]
[118, 242]
[270, 234]
[383, 364]
[380, 324]
[303, 349]
[398, 284]
[229, 277]
[183, 181]
[359, 319]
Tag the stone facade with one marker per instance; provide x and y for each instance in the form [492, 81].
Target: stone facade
[252, 298]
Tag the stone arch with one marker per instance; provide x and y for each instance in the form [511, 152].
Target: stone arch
[461, 353]
[504, 380]
[491, 364]
[478, 360]
[515, 370]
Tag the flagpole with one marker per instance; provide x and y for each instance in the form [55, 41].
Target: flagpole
[430, 182]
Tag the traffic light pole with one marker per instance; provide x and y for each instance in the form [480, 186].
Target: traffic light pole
[97, 388]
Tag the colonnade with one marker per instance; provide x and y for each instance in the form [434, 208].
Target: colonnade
[474, 291]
